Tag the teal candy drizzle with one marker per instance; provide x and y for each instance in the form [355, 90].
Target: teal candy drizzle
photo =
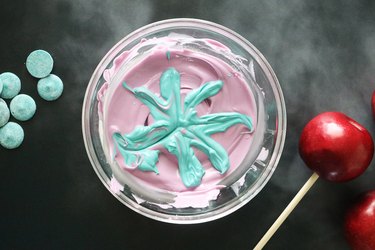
[168, 55]
[178, 130]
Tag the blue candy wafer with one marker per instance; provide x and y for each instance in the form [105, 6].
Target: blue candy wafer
[1, 87]
[50, 88]
[11, 85]
[4, 113]
[22, 107]
[11, 135]
[39, 63]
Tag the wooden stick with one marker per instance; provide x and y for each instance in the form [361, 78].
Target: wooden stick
[301, 193]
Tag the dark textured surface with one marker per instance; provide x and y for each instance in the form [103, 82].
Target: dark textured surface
[323, 53]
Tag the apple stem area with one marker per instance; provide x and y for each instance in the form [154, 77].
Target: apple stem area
[301, 193]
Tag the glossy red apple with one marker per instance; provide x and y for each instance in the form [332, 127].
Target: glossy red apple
[336, 147]
[373, 104]
[360, 223]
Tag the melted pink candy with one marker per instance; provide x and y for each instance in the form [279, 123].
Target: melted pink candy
[122, 112]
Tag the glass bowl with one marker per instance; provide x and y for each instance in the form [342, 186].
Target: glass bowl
[263, 151]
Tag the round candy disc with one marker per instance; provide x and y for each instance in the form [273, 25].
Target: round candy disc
[11, 85]
[22, 107]
[11, 135]
[39, 63]
[50, 88]
[336, 147]
[4, 113]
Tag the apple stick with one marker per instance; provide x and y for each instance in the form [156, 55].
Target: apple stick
[301, 193]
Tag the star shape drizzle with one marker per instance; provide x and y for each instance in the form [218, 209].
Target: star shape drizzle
[178, 129]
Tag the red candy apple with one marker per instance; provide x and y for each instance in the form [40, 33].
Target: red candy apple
[336, 147]
[373, 104]
[360, 223]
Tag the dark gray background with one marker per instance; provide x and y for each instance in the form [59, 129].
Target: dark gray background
[323, 53]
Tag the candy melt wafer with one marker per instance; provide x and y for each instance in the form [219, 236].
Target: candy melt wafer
[22, 107]
[39, 63]
[50, 88]
[11, 135]
[11, 85]
[4, 113]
